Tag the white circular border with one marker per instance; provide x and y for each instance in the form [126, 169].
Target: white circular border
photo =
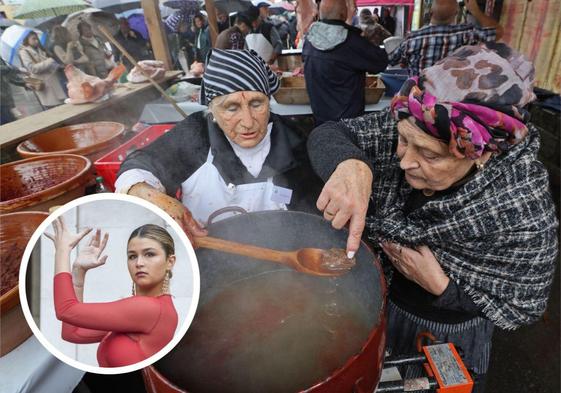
[192, 262]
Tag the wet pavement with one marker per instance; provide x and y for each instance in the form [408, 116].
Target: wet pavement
[527, 359]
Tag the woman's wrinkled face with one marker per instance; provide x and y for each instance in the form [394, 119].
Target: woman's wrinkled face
[243, 116]
[147, 263]
[426, 161]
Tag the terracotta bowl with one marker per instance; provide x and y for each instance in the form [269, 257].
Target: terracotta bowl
[92, 140]
[15, 231]
[41, 182]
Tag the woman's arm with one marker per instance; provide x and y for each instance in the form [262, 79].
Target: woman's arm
[65, 56]
[174, 156]
[138, 314]
[353, 146]
[170, 205]
[64, 243]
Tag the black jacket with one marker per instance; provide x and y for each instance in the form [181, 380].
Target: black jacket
[336, 73]
[176, 155]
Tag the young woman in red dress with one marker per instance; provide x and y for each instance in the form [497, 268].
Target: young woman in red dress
[128, 330]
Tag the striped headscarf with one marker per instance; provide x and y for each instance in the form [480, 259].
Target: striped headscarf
[230, 71]
[472, 100]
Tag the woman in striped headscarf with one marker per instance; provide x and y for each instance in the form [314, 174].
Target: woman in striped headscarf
[460, 208]
[236, 154]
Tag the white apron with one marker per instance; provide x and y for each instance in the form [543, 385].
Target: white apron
[205, 191]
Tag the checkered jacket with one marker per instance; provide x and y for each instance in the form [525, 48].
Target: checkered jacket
[424, 47]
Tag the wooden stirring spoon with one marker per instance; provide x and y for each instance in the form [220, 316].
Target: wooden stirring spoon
[315, 261]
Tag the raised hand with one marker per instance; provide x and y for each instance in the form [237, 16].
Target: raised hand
[89, 256]
[63, 239]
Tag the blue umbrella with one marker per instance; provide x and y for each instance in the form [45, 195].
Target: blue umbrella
[137, 23]
[12, 39]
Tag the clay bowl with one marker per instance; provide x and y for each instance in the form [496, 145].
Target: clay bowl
[41, 182]
[15, 231]
[92, 140]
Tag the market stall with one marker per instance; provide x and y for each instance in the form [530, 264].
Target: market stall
[126, 103]
[355, 367]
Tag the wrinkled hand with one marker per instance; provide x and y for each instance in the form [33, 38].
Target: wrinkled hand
[89, 256]
[182, 216]
[418, 265]
[63, 239]
[345, 198]
[171, 206]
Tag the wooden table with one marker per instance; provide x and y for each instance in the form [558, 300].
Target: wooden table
[22, 129]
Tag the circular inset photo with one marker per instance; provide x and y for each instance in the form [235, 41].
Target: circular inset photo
[109, 283]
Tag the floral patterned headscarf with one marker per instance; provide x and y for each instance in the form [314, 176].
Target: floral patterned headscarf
[473, 99]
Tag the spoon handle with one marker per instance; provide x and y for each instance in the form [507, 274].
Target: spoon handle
[241, 249]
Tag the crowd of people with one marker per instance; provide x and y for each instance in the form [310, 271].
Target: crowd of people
[41, 70]
[42, 66]
[444, 183]
[190, 42]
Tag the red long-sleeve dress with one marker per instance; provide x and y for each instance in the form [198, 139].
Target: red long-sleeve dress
[130, 330]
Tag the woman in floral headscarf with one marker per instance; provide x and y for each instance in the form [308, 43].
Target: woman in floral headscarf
[460, 208]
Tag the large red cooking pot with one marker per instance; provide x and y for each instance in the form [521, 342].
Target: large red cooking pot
[262, 327]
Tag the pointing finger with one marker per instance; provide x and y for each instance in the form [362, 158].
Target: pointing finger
[356, 227]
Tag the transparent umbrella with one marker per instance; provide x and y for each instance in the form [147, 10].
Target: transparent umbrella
[116, 6]
[44, 24]
[31, 9]
[94, 17]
